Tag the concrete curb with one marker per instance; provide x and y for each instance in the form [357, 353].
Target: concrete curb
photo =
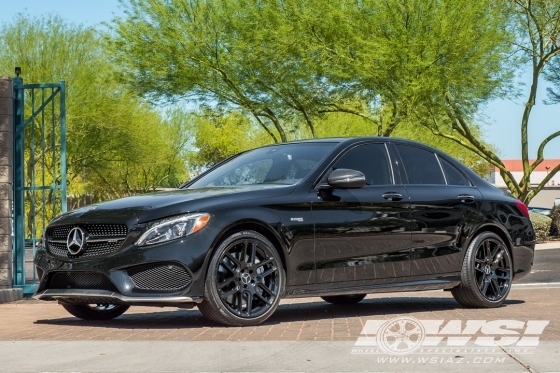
[10, 295]
[548, 246]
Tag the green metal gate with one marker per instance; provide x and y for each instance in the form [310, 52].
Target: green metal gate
[39, 170]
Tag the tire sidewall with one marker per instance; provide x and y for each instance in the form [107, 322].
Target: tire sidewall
[211, 293]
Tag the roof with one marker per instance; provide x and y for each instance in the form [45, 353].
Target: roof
[516, 165]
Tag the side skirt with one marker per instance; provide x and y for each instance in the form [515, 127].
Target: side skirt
[448, 281]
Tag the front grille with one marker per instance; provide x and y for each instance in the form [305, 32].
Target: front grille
[108, 239]
[160, 277]
[93, 249]
[94, 230]
[80, 280]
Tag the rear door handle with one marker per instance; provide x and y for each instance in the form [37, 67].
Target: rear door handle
[465, 198]
[392, 196]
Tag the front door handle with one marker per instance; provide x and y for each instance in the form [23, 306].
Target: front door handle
[465, 198]
[392, 196]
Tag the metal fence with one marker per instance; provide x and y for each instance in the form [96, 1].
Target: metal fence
[39, 170]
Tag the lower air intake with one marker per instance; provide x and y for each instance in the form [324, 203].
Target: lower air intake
[80, 280]
[160, 277]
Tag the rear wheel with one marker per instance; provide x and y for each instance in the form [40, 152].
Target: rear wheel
[344, 299]
[245, 281]
[96, 311]
[487, 273]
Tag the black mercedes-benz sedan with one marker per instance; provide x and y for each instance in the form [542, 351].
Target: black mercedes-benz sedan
[335, 218]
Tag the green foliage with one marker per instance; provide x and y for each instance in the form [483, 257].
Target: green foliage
[216, 137]
[288, 63]
[555, 216]
[116, 145]
[541, 224]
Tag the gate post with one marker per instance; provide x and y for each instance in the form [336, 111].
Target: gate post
[6, 182]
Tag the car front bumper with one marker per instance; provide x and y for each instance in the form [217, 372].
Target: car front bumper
[171, 274]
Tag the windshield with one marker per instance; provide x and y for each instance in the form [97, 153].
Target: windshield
[279, 164]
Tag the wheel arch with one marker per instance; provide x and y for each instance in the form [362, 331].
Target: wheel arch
[494, 228]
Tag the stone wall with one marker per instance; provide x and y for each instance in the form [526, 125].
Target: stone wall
[6, 182]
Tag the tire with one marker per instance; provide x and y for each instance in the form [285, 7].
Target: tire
[487, 273]
[97, 311]
[244, 282]
[344, 299]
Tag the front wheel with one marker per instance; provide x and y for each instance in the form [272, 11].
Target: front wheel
[487, 273]
[244, 282]
[344, 299]
[96, 311]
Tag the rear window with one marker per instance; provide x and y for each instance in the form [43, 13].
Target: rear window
[421, 166]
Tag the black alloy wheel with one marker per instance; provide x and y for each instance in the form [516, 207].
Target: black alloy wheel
[96, 311]
[344, 299]
[245, 281]
[487, 273]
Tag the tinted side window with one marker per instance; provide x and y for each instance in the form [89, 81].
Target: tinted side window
[454, 176]
[422, 166]
[371, 160]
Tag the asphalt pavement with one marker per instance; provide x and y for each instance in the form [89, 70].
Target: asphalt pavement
[546, 267]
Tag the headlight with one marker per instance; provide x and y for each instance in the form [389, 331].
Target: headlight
[173, 228]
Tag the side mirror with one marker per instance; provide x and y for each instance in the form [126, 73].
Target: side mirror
[343, 178]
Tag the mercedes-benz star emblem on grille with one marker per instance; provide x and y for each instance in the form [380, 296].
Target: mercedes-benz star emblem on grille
[76, 241]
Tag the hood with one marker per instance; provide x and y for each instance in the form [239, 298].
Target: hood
[153, 206]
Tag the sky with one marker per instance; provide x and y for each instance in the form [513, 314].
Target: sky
[502, 117]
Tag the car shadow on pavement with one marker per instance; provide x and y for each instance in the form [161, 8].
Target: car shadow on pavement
[295, 312]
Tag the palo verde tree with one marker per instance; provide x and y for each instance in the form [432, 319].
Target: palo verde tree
[535, 30]
[294, 61]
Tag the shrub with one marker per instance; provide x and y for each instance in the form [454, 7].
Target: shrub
[541, 223]
[555, 216]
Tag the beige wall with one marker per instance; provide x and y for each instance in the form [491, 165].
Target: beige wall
[6, 183]
[546, 197]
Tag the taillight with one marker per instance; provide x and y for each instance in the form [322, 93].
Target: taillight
[523, 208]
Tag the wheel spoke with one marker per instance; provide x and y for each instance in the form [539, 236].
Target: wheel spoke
[262, 298]
[244, 251]
[393, 346]
[402, 326]
[485, 287]
[264, 262]
[416, 330]
[233, 259]
[228, 267]
[227, 294]
[265, 288]
[253, 256]
[481, 282]
[390, 333]
[496, 287]
[240, 302]
[249, 303]
[495, 252]
[226, 282]
[268, 272]
[409, 343]
[487, 252]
